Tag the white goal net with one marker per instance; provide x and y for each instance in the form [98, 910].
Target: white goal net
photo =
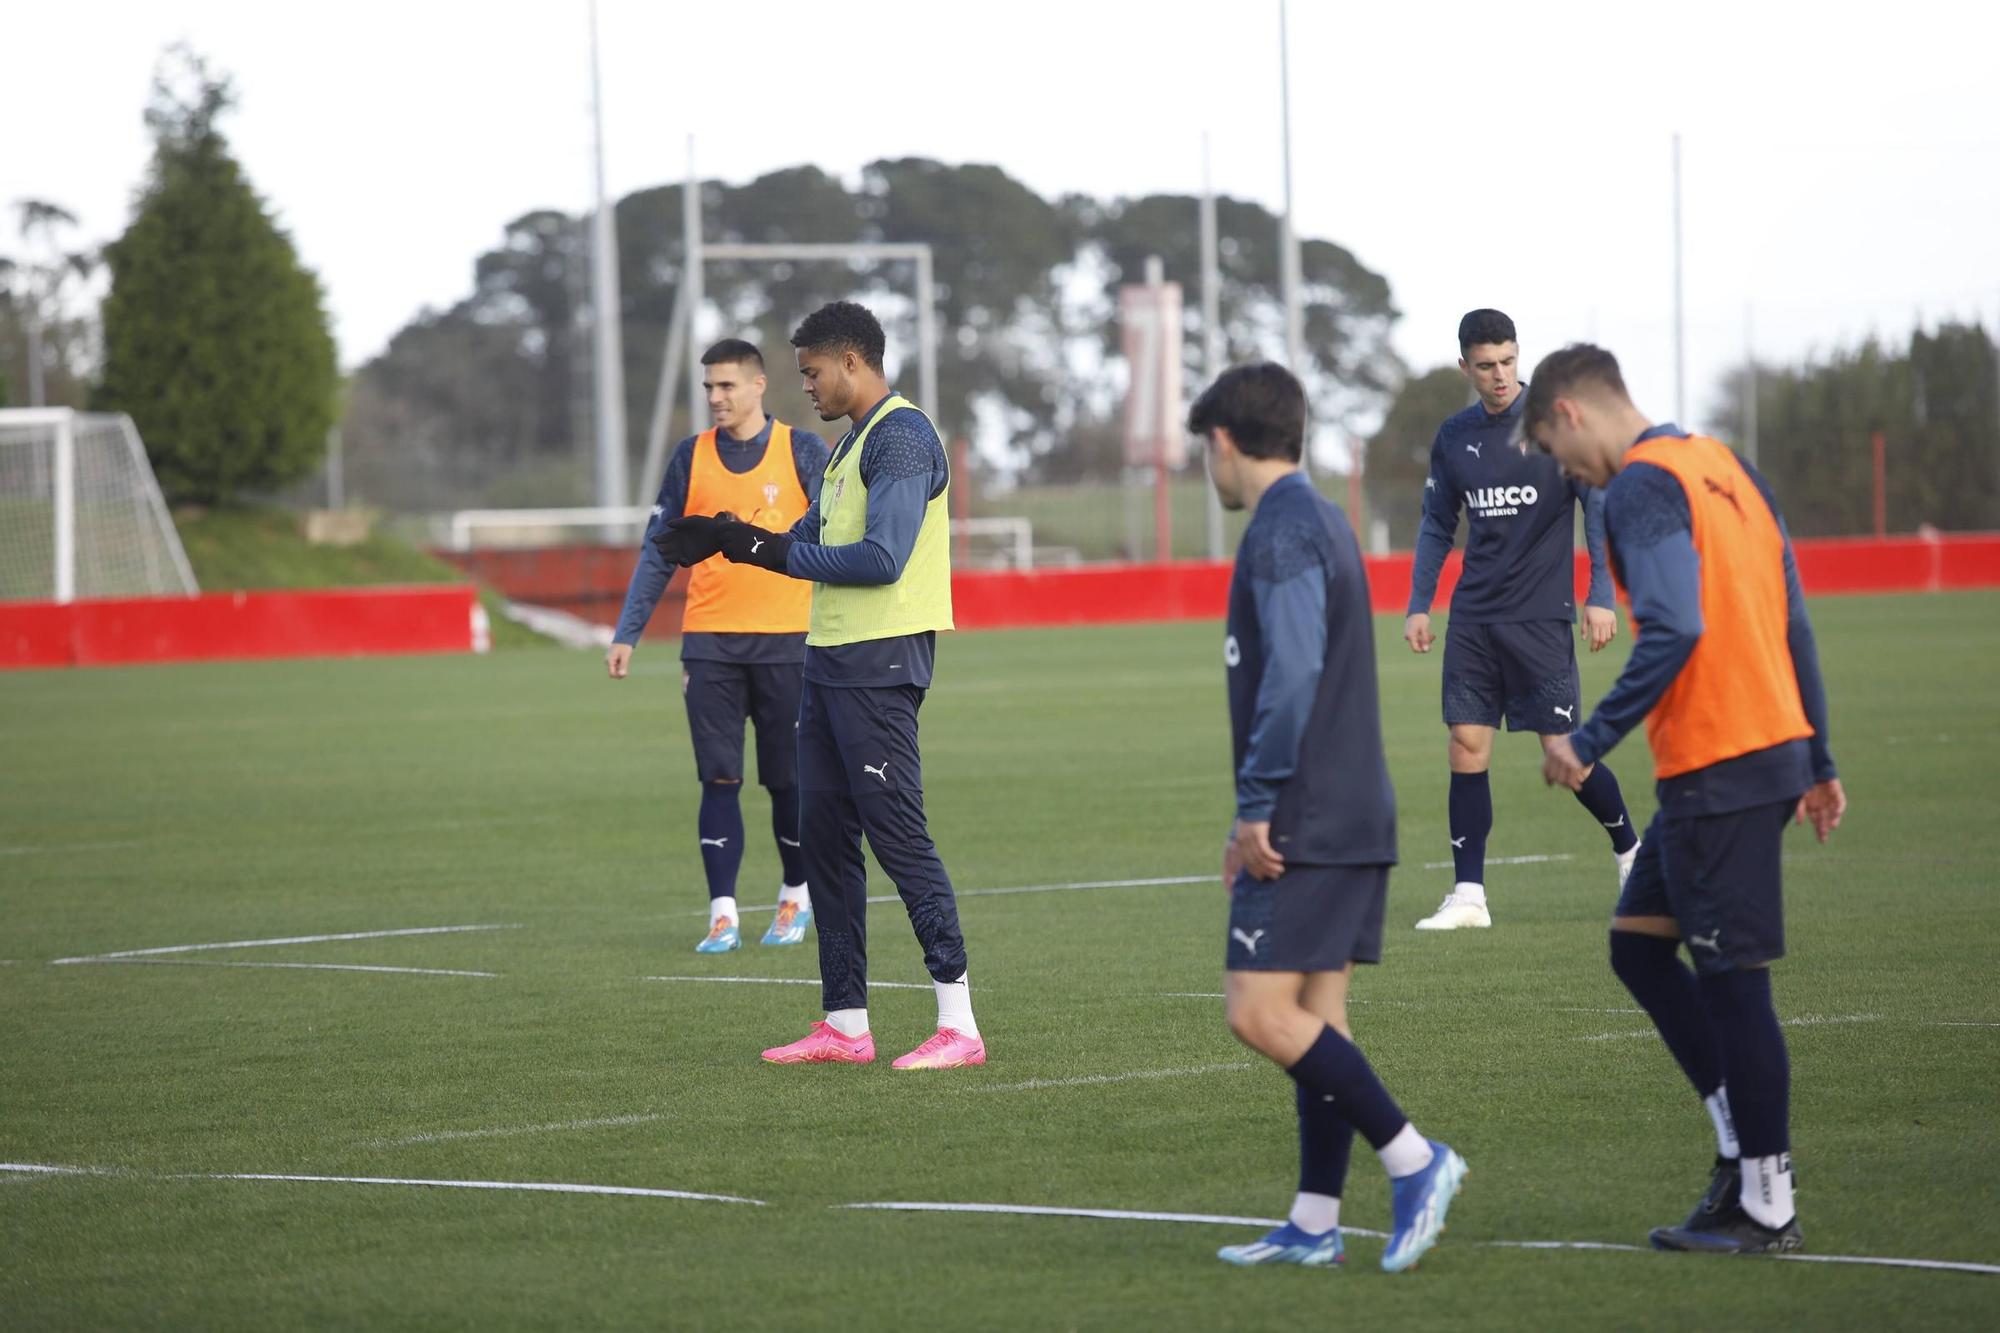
[80, 512]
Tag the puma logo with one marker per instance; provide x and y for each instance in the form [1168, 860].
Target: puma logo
[715, 842]
[1616, 823]
[789, 842]
[1460, 841]
[1566, 714]
[882, 772]
[1712, 943]
[755, 543]
[1248, 941]
[1474, 449]
[1726, 492]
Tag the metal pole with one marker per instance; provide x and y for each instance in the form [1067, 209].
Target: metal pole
[610, 356]
[65, 505]
[1163, 520]
[1680, 335]
[692, 278]
[663, 402]
[927, 349]
[1211, 329]
[1749, 388]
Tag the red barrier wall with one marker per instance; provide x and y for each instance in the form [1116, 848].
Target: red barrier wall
[342, 622]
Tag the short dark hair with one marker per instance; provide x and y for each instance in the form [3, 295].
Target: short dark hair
[840, 326]
[1562, 372]
[1484, 326]
[733, 349]
[1262, 406]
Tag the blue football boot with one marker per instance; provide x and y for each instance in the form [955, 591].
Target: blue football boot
[1419, 1203]
[789, 926]
[722, 937]
[1287, 1245]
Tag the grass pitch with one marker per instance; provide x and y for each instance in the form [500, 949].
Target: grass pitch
[172, 806]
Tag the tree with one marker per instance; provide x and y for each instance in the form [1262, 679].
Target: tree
[44, 343]
[215, 335]
[1399, 454]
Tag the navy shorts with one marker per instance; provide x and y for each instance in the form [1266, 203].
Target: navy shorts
[1309, 919]
[720, 695]
[1524, 672]
[1718, 876]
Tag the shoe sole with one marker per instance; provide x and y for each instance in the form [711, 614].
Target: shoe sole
[1444, 1211]
[816, 1060]
[1469, 925]
[1671, 1239]
[955, 1064]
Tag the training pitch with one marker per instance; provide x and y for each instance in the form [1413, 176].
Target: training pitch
[280, 1093]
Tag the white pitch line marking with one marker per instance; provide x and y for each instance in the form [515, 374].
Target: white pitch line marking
[1091, 1080]
[797, 981]
[289, 939]
[1506, 861]
[1124, 1215]
[530, 1186]
[310, 967]
[1029, 888]
[507, 1131]
[1947, 1023]
[1802, 1021]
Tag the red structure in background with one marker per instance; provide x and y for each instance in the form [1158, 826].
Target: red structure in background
[590, 581]
[343, 622]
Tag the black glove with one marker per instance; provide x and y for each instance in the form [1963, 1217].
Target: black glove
[743, 544]
[691, 539]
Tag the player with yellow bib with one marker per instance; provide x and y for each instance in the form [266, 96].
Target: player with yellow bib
[875, 549]
[742, 631]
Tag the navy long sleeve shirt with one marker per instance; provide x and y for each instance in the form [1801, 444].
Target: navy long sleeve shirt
[651, 574]
[1652, 540]
[1519, 535]
[904, 468]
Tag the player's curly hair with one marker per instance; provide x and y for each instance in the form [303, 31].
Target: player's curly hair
[1484, 326]
[1560, 374]
[840, 326]
[1262, 406]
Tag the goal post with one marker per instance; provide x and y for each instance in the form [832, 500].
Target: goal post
[81, 514]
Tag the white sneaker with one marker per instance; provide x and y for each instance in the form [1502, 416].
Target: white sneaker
[1625, 864]
[1458, 911]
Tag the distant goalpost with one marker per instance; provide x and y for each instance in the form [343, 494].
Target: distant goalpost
[81, 514]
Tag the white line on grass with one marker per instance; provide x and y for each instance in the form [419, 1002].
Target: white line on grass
[288, 939]
[797, 981]
[1124, 1215]
[1506, 861]
[1802, 1021]
[530, 1186]
[1089, 1080]
[310, 967]
[505, 1131]
[1027, 888]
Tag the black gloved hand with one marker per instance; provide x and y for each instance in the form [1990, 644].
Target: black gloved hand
[743, 544]
[691, 539]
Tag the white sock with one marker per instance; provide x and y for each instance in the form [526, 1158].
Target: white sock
[718, 908]
[1717, 1103]
[1315, 1213]
[1406, 1154]
[955, 1006]
[848, 1022]
[1767, 1189]
[794, 893]
[1469, 893]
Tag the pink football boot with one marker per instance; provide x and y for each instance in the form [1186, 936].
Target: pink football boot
[948, 1048]
[825, 1046]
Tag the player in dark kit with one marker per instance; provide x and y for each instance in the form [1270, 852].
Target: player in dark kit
[743, 631]
[1307, 861]
[1508, 653]
[1726, 675]
[875, 548]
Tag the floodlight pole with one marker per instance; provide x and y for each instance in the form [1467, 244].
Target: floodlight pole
[1211, 331]
[1289, 274]
[693, 263]
[1680, 330]
[610, 368]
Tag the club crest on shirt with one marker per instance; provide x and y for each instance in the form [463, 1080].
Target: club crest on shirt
[839, 485]
[771, 493]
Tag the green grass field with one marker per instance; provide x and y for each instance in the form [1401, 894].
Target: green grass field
[186, 805]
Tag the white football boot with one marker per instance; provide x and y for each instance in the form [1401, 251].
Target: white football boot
[1460, 910]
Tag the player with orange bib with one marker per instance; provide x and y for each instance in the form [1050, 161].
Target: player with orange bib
[1726, 676]
[743, 631]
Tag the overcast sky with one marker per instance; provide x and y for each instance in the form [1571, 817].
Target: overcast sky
[1841, 164]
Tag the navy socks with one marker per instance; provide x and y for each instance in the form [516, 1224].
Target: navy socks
[1334, 1067]
[720, 825]
[1600, 795]
[1754, 1059]
[785, 828]
[1666, 989]
[1471, 811]
[1326, 1141]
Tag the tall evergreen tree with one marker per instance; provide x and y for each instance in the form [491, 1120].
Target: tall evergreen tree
[215, 336]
